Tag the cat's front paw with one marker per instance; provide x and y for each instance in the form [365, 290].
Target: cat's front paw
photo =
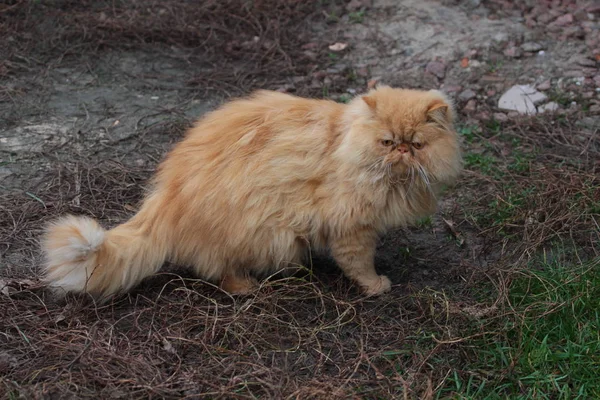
[377, 287]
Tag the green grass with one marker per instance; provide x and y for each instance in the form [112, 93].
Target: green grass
[356, 17]
[546, 345]
[468, 132]
[485, 163]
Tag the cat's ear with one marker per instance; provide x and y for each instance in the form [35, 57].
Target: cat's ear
[371, 101]
[440, 112]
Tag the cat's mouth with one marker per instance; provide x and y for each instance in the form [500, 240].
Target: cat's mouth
[408, 173]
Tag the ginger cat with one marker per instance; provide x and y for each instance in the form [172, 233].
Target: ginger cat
[259, 181]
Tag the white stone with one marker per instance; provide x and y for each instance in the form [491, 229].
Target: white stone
[521, 98]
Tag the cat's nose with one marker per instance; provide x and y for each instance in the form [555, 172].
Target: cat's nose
[403, 148]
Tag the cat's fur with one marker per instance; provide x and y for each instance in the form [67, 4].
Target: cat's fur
[260, 181]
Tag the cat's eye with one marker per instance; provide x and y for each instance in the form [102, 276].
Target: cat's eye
[417, 145]
[387, 142]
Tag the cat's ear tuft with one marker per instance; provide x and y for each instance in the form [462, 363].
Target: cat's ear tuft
[371, 101]
[440, 112]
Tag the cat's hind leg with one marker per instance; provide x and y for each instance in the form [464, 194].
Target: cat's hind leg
[238, 283]
[355, 255]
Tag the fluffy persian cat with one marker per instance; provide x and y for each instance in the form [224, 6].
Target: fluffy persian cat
[260, 181]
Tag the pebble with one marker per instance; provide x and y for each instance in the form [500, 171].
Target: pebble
[548, 107]
[513, 51]
[595, 109]
[466, 95]
[500, 117]
[563, 20]
[471, 106]
[583, 61]
[451, 88]
[531, 47]
[436, 68]
[544, 85]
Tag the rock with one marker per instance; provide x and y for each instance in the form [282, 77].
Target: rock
[483, 115]
[531, 47]
[513, 51]
[354, 5]
[595, 109]
[597, 80]
[466, 95]
[471, 106]
[589, 122]
[521, 98]
[544, 85]
[588, 95]
[583, 61]
[500, 37]
[563, 20]
[500, 117]
[436, 68]
[548, 107]
[311, 55]
[451, 88]
[573, 32]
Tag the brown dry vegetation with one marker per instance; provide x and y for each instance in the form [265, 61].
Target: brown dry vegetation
[530, 188]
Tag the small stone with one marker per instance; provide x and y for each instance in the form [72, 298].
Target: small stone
[595, 109]
[500, 37]
[513, 51]
[500, 117]
[310, 46]
[531, 47]
[544, 85]
[521, 98]
[471, 106]
[311, 55]
[574, 74]
[466, 95]
[573, 32]
[597, 80]
[548, 107]
[544, 18]
[362, 72]
[589, 122]
[583, 61]
[588, 95]
[513, 114]
[354, 5]
[483, 115]
[563, 20]
[436, 68]
[451, 88]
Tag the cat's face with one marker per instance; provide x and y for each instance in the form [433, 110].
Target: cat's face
[405, 135]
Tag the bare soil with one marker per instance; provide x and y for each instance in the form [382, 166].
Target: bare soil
[93, 94]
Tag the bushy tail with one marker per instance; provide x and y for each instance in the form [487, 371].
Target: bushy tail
[82, 257]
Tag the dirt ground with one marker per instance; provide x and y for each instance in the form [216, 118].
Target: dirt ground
[93, 94]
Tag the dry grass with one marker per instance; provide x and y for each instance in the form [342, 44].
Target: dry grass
[243, 44]
[308, 336]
